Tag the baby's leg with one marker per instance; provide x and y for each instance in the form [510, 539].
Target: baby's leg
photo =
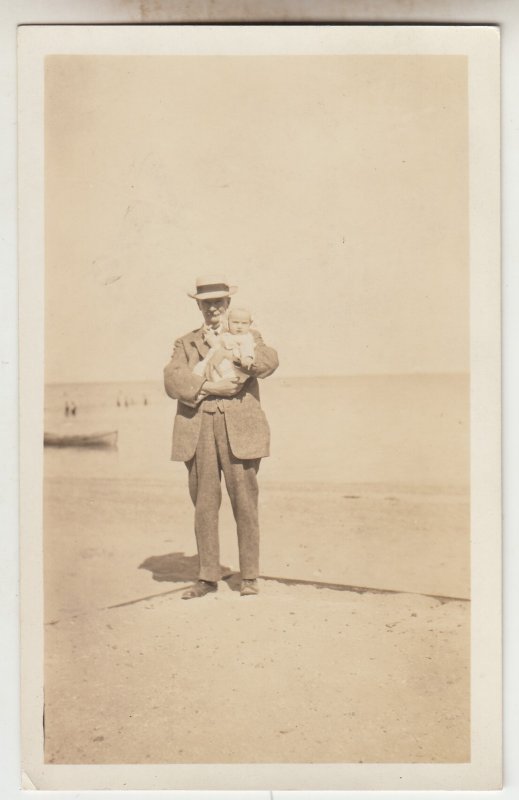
[226, 369]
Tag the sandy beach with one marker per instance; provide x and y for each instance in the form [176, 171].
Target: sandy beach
[300, 673]
[356, 650]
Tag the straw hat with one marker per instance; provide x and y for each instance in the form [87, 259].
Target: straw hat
[211, 287]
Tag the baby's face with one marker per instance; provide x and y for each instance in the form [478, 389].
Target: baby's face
[239, 321]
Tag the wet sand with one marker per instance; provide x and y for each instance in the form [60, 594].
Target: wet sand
[314, 669]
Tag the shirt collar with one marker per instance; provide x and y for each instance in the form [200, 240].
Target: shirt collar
[217, 331]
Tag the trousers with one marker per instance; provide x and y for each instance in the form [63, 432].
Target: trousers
[213, 456]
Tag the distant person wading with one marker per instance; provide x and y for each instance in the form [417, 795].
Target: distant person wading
[220, 427]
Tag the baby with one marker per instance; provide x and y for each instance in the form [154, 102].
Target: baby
[233, 347]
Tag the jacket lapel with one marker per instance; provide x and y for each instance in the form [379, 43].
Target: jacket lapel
[199, 343]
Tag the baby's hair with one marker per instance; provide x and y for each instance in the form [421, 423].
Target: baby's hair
[233, 309]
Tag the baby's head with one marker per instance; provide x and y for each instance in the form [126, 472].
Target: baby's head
[239, 320]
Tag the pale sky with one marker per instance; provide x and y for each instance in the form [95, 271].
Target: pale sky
[332, 189]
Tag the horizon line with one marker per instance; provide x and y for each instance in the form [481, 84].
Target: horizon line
[414, 373]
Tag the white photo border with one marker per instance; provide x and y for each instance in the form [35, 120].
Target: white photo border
[481, 45]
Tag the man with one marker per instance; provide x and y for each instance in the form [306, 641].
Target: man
[219, 427]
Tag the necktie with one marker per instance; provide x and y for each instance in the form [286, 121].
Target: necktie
[210, 334]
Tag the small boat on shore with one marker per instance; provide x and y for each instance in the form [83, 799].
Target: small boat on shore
[104, 439]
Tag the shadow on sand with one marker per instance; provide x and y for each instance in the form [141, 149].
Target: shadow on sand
[179, 568]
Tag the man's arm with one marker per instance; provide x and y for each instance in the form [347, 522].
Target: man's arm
[223, 388]
[182, 384]
[265, 358]
[179, 380]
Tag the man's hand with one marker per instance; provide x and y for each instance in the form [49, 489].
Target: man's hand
[227, 388]
[245, 364]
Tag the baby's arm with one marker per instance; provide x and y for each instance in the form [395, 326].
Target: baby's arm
[247, 350]
[201, 367]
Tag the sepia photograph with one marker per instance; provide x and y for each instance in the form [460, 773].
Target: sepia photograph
[255, 363]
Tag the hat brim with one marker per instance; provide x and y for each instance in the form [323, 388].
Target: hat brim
[212, 295]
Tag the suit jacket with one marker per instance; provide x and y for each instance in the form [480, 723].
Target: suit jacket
[247, 426]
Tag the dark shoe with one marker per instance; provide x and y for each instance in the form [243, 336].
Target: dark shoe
[249, 587]
[199, 589]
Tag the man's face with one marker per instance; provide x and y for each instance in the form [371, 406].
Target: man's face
[214, 310]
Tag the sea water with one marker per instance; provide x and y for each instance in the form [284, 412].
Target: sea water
[387, 429]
